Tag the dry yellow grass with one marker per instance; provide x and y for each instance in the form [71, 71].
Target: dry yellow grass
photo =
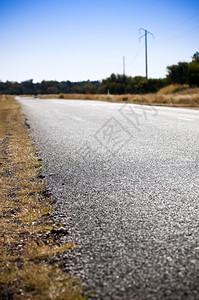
[26, 241]
[173, 88]
[173, 95]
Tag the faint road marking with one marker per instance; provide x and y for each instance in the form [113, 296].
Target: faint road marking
[186, 119]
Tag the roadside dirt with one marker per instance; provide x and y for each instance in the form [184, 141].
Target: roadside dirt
[29, 240]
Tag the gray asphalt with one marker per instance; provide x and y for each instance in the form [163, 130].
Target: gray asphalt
[125, 183]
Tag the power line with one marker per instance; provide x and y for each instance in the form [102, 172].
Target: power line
[146, 32]
[135, 57]
[179, 24]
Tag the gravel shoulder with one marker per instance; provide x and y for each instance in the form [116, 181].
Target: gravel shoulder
[29, 239]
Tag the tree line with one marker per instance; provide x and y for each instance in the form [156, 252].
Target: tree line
[182, 73]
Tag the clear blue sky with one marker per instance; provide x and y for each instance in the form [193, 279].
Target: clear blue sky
[80, 40]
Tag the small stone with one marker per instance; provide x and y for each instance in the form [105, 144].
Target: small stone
[41, 176]
[53, 231]
[62, 230]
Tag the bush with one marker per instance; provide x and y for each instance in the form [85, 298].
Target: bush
[61, 96]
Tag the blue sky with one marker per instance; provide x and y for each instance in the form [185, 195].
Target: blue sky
[80, 40]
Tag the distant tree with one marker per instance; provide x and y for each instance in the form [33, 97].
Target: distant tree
[89, 88]
[65, 87]
[194, 73]
[178, 73]
[2, 88]
[28, 87]
[121, 84]
[13, 88]
[115, 84]
[49, 87]
[140, 85]
[195, 57]
[185, 73]
[52, 90]
[156, 84]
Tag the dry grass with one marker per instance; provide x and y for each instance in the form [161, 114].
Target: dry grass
[173, 95]
[173, 88]
[26, 241]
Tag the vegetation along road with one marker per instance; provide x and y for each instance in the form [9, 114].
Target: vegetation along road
[124, 179]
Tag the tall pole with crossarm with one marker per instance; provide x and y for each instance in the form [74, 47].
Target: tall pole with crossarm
[146, 32]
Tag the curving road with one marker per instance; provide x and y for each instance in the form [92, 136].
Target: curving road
[125, 180]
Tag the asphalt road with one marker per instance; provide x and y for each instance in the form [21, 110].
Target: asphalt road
[125, 180]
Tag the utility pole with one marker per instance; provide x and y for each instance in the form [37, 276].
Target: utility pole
[124, 65]
[146, 32]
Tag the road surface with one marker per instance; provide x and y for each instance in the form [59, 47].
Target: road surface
[125, 183]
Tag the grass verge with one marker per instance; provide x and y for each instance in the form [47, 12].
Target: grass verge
[27, 239]
[173, 96]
